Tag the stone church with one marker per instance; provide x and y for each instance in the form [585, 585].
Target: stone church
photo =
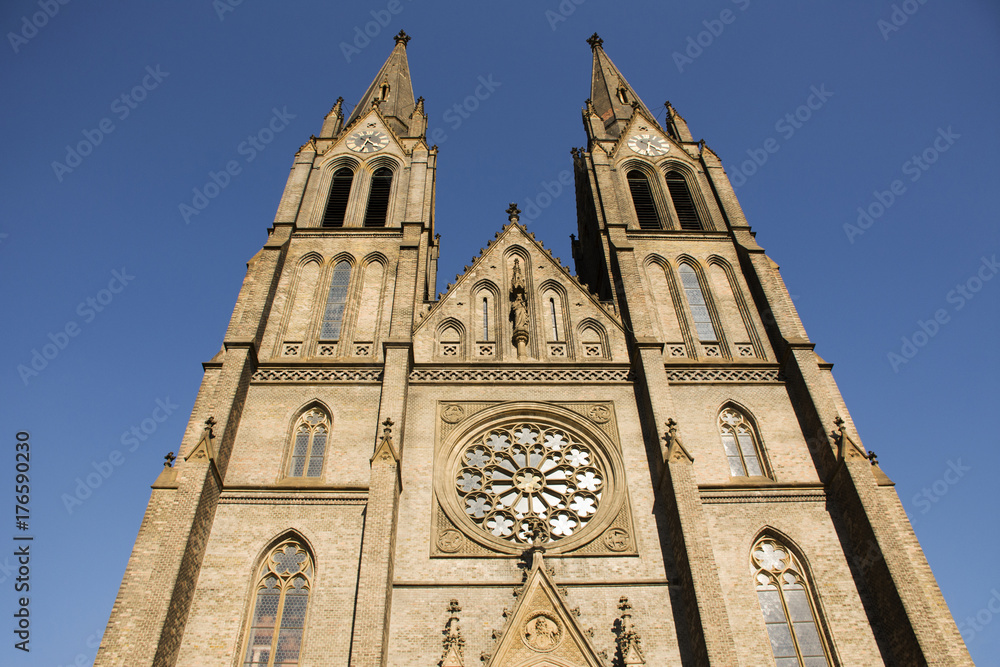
[641, 461]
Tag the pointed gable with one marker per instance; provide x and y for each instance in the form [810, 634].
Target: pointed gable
[542, 630]
[561, 313]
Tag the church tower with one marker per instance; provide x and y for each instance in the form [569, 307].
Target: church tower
[644, 463]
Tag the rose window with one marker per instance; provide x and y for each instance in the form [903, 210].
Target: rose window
[530, 482]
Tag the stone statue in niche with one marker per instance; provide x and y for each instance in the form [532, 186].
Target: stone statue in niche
[519, 309]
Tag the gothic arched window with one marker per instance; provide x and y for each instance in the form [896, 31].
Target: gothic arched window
[642, 199]
[790, 613]
[740, 443]
[274, 635]
[687, 213]
[696, 300]
[340, 193]
[309, 442]
[336, 301]
[378, 198]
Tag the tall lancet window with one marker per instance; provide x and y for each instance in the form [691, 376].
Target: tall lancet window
[696, 300]
[378, 198]
[274, 636]
[552, 315]
[486, 319]
[340, 193]
[790, 612]
[687, 212]
[642, 199]
[740, 443]
[336, 301]
[309, 444]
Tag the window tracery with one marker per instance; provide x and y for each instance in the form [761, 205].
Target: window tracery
[529, 482]
[309, 444]
[274, 635]
[789, 612]
[740, 443]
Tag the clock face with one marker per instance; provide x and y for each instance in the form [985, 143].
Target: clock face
[648, 144]
[367, 141]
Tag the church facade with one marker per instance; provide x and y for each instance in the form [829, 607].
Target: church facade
[640, 463]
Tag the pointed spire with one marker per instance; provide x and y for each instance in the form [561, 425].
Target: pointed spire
[391, 90]
[334, 120]
[611, 95]
[676, 124]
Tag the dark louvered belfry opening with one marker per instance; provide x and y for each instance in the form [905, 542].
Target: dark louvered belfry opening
[687, 214]
[378, 200]
[340, 192]
[645, 209]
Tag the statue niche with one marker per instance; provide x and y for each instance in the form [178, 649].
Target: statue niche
[518, 309]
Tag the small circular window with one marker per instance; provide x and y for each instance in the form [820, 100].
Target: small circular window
[526, 481]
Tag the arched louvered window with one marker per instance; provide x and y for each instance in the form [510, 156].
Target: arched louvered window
[642, 198]
[274, 635]
[741, 445]
[309, 444]
[336, 301]
[378, 198]
[696, 300]
[340, 193]
[687, 213]
[790, 612]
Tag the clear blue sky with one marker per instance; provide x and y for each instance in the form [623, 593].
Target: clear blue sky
[930, 85]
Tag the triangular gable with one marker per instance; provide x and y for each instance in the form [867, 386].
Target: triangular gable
[570, 282]
[542, 630]
[640, 118]
[373, 116]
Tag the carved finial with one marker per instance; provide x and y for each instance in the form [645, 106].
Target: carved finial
[454, 643]
[595, 41]
[337, 108]
[629, 650]
[209, 423]
[572, 238]
[513, 212]
[873, 457]
[376, 102]
[387, 431]
[402, 37]
[170, 460]
[419, 108]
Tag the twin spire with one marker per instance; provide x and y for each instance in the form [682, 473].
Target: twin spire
[612, 98]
